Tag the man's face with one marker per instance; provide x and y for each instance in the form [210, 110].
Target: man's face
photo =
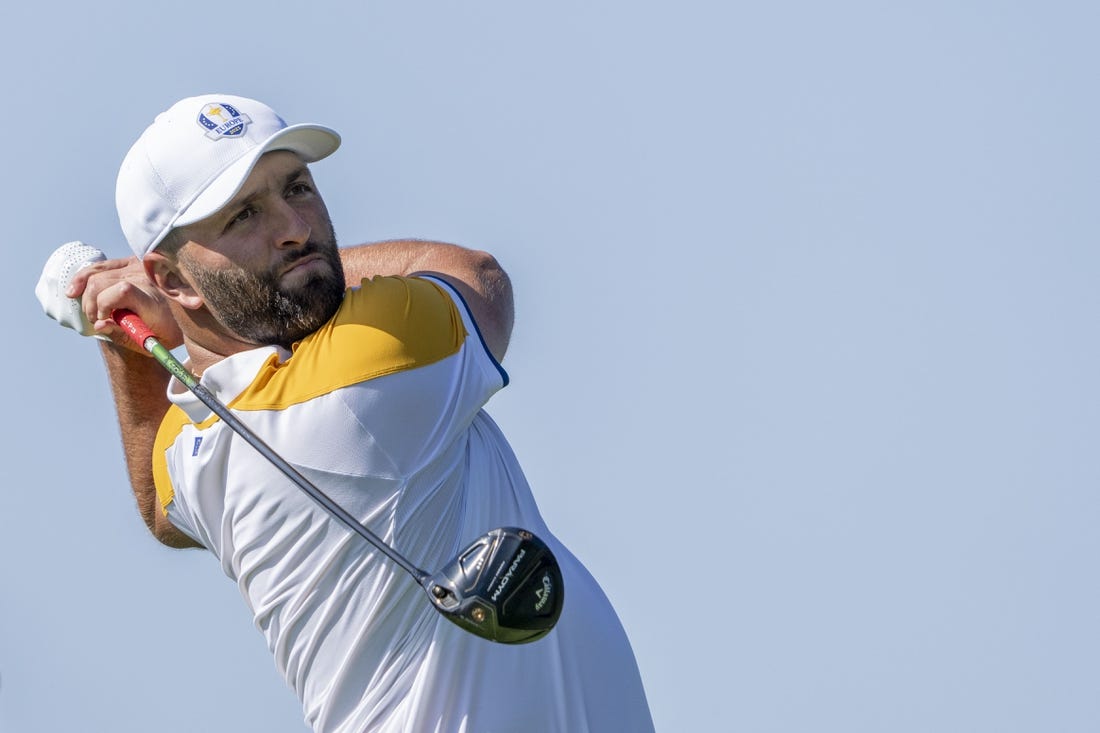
[267, 265]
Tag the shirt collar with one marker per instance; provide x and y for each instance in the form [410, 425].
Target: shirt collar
[225, 379]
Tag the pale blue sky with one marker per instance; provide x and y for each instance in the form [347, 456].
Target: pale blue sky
[805, 359]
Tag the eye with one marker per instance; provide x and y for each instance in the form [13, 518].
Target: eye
[299, 188]
[242, 216]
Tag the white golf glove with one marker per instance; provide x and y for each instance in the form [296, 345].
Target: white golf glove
[56, 276]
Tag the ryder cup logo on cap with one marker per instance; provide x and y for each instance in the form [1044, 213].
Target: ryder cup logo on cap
[222, 119]
[179, 172]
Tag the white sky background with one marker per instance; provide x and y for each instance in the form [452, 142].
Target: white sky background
[805, 358]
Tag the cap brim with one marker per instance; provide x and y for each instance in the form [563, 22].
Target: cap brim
[310, 142]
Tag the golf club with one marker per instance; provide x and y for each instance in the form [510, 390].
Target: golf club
[505, 586]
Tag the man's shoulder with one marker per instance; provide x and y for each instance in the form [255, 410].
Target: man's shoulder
[385, 326]
[417, 313]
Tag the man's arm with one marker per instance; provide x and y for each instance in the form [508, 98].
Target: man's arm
[140, 387]
[476, 275]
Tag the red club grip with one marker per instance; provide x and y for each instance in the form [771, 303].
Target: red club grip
[131, 322]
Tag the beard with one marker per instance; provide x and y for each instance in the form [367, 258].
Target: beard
[259, 309]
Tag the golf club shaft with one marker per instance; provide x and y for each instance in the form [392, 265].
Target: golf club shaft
[144, 337]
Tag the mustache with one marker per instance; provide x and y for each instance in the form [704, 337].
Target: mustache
[325, 249]
[311, 247]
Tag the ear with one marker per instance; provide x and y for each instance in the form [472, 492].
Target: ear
[166, 274]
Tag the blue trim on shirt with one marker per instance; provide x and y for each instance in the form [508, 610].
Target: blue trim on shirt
[477, 329]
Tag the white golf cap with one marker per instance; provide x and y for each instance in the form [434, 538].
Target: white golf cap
[194, 158]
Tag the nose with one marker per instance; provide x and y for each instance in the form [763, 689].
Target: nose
[293, 229]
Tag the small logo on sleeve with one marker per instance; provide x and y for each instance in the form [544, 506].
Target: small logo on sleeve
[195, 448]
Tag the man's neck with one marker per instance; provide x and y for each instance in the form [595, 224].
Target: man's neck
[204, 353]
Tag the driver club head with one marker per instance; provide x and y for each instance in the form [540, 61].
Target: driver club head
[506, 586]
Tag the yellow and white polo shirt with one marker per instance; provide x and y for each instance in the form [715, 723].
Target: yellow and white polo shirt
[382, 409]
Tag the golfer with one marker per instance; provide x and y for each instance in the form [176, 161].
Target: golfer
[367, 368]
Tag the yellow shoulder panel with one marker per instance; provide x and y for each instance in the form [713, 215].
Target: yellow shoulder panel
[387, 325]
